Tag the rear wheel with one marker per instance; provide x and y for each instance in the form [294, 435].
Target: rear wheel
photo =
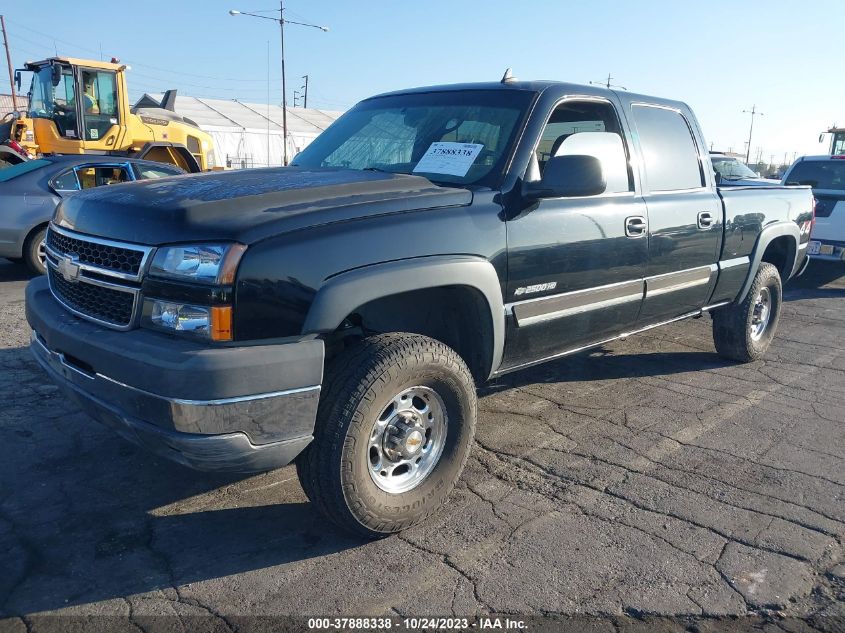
[34, 255]
[393, 432]
[744, 331]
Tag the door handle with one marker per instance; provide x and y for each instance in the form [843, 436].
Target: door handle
[705, 220]
[635, 226]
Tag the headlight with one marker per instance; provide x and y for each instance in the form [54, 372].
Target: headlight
[209, 160]
[212, 323]
[201, 263]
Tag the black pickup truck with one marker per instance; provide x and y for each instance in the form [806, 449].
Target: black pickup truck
[340, 312]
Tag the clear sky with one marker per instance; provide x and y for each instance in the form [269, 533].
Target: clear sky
[720, 57]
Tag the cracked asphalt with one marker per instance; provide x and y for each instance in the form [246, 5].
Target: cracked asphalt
[648, 478]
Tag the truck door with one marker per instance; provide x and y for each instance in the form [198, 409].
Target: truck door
[576, 265]
[99, 105]
[684, 214]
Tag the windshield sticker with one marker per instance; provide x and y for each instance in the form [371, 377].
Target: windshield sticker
[453, 159]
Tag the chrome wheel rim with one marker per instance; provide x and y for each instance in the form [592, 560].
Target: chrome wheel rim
[761, 314]
[42, 253]
[407, 439]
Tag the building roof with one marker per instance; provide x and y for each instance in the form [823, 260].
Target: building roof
[6, 103]
[222, 114]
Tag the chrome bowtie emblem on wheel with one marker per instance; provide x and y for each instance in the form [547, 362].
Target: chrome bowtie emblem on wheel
[68, 268]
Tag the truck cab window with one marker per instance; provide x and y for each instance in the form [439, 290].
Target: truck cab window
[585, 127]
[99, 102]
[670, 155]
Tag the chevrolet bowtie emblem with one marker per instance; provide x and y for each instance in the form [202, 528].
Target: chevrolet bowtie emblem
[68, 268]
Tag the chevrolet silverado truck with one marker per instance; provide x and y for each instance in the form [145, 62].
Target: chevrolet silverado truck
[339, 313]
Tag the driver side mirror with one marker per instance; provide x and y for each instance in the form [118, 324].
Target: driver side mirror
[18, 80]
[573, 175]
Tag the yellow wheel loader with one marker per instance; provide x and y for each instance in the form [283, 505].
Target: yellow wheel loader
[80, 106]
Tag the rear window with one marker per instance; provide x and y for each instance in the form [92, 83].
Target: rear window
[20, 169]
[669, 150]
[819, 174]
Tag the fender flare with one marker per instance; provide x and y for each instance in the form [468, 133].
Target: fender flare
[765, 238]
[342, 294]
[182, 149]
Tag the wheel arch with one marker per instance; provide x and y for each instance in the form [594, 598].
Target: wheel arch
[191, 163]
[777, 244]
[464, 285]
[30, 232]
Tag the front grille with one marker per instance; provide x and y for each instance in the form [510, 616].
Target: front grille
[104, 304]
[95, 278]
[115, 258]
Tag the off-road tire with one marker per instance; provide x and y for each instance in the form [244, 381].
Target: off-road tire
[732, 323]
[30, 251]
[358, 384]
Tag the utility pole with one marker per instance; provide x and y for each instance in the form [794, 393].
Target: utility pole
[305, 94]
[9, 63]
[284, 88]
[753, 112]
[281, 22]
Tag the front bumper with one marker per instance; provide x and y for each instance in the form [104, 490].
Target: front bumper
[236, 408]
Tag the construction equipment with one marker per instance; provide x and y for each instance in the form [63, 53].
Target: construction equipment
[81, 106]
[837, 140]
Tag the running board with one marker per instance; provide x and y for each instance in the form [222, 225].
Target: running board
[624, 335]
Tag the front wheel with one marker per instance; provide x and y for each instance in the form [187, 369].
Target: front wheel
[744, 331]
[394, 428]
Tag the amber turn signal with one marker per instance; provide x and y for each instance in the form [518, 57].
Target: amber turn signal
[221, 323]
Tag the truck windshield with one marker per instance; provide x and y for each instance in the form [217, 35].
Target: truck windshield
[819, 174]
[453, 137]
[731, 168]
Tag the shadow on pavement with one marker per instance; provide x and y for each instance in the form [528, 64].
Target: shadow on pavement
[10, 271]
[599, 364]
[822, 279]
[86, 516]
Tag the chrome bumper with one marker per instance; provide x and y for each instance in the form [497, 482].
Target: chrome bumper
[196, 439]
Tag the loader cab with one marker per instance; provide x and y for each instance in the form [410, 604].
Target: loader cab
[74, 108]
[837, 143]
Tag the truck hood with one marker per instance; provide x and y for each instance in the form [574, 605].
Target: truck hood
[246, 205]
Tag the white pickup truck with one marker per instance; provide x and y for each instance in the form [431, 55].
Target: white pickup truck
[826, 175]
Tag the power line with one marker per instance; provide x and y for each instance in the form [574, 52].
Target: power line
[156, 68]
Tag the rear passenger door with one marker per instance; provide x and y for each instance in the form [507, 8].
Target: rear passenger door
[684, 213]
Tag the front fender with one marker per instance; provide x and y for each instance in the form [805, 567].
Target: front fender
[342, 294]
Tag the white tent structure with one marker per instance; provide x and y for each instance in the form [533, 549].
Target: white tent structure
[250, 134]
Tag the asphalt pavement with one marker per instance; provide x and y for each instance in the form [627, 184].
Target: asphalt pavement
[647, 478]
